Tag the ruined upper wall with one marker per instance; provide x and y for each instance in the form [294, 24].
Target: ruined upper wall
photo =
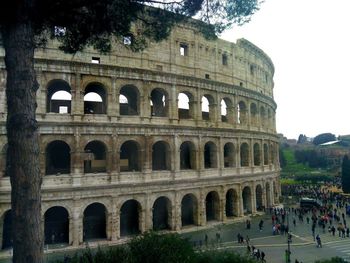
[186, 52]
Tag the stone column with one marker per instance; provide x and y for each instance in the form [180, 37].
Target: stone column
[77, 231]
[173, 104]
[253, 198]
[148, 216]
[77, 103]
[112, 99]
[240, 211]
[220, 156]
[202, 216]
[177, 213]
[114, 165]
[77, 160]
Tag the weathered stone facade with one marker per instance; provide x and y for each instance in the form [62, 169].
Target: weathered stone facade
[140, 156]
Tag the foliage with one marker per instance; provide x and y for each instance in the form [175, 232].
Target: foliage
[156, 248]
[332, 260]
[346, 174]
[323, 138]
[292, 166]
[310, 157]
[282, 158]
[302, 139]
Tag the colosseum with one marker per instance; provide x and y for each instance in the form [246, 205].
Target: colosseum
[179, 135]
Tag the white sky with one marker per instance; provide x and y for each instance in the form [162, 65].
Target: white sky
[309, 44]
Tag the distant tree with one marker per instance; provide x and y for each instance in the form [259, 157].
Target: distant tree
[345, 174]
[26, 24]
[302, 139]
[283, 161]
[323, 138]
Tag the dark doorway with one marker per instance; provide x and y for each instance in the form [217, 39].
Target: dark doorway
[188, 210]
[57, 158]
[94, 224]
[56, 225]
[161, 214]
[212, 207]
[7, 230]
[129, 218]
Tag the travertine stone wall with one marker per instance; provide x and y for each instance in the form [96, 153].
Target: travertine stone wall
[232, 160]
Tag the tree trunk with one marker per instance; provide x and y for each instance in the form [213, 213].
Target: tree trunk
[23, 143]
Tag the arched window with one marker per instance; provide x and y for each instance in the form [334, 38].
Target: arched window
[95, 222]
[210, 155]
[58, 97]
[95, 160]
[247, 200]
[189, 210]
[259, 198]
[161, 214]
[95, 99]
[130, 214]
[129, 100]
[161, 156]
[187, 156]
[241, 113]
[129, 157]
[185, 107]
[207, 107]
[159, 103]
[212, 206]
[229, 155]
[56, 225]
[254, 115]
[263, 117]
[232, 203]
[57, 158]
[257, 154]
[266, 154]
[244, 153]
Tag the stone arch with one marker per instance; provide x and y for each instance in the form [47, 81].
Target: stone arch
[247, 200]
[185, 105]
[7, 236]
[268, 195]
[212, 206]
[269, 117]
[257, 154]
[244, 154]
[58, 158]
[95, 157]
[232, 203]
[129, 100]
[210, 155]
[207, 104]
[95, 222]
[227, 110]
[159, 102]
[259, 198]
[242, 113]
[95, 99]
[275, 193]
[229, 155]
[266, 154]
[272, 153]
[254, 114]
[162, 213]
[189, 210]
[56, 225]
[130, 159]
[161, 156]
[187, 156]
[130, 218]
[59, 97]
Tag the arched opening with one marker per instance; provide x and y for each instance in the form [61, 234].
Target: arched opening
[187, 156]
[160, 156]
[159, 103]
[189, 209]
[56, 225]
[129, 100]
[268, 195]
[210, 156]
[269, 118]
[241, 113]
[212, 206]
[185, 107]
[254, 115]
[229, 155]
[247, 200]
[95, 99]
[266, 154]
[272, 153]
[59, 97]
[95, 157]
[161, 214]
[130, 213]
[244, 154]
[7, 240]
[57, 158]
[3, 160]
[257, 154]
[263, 117]
[275, 193]
[94, 222]
[259, 198]
[129, 157]
[231, 205]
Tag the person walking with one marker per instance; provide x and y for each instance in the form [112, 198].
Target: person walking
[318, 241]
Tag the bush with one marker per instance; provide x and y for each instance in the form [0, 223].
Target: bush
[332, 260]
[222, 257]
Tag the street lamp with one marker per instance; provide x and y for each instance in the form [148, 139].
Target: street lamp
[289, 240]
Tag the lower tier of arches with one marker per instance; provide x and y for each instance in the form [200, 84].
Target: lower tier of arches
[74, 222]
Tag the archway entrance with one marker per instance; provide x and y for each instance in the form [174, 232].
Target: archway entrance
[161, 213]
[94, 223]
[56, 225]
[130, 218]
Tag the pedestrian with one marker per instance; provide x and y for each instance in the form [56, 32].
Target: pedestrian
[206, 240]
[308, 220]
[247, 240]
[294, 222]
[239, 238]
[248, 249]
[318, 241]
[262, 256]
[347, 232]
[261, 224]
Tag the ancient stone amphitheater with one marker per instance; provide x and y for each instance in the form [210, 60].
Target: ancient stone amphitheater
[179, 135]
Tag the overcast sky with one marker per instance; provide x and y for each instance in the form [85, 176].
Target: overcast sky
[309, 44]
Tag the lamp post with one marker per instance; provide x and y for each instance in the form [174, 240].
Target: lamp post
[289, 240]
